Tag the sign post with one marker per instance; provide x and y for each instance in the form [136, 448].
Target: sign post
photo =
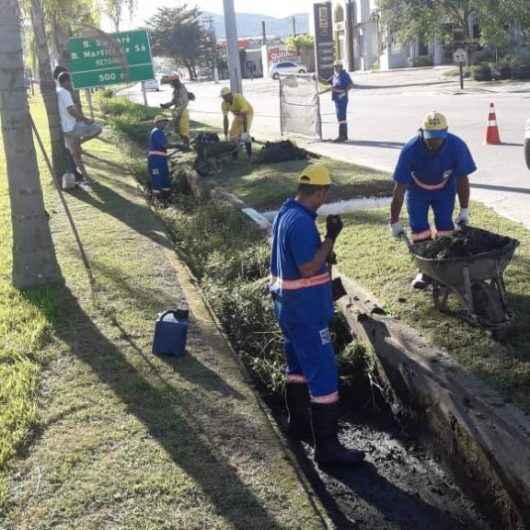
[324, 46]
[460, 58]
[123, 57]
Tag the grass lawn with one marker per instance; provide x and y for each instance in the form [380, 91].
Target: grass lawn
[26, 319]
[383, 265]
[266, 186]
[95, 432]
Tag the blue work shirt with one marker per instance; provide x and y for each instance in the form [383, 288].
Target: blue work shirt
[295, 242]
[426, 173]
[157, 155]
[157, 140]
[340, 80]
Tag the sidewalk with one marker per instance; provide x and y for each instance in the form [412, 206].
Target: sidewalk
[129, 440]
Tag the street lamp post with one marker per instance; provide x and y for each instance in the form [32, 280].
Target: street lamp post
[234, 64]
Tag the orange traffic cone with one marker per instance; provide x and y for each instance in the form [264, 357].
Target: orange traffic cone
[492, 131]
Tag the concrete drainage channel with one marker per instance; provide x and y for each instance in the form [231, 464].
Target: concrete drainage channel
[412, 413]
[403, 486]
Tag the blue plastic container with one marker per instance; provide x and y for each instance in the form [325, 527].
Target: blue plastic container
[171, 331]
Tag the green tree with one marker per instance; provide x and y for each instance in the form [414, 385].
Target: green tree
[410, 19]
[115, 10]
[300, 43]
[176, 32]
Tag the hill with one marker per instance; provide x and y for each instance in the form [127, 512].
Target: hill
[249, 24]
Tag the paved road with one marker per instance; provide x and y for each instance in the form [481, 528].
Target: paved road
[386, 110]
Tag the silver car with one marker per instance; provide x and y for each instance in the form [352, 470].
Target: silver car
[286, 67]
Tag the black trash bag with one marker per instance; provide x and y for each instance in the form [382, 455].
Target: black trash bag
[282, 151]
[211, 152]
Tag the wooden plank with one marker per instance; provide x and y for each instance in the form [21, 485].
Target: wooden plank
[484, 439]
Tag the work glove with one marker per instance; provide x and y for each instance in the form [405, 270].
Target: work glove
[333, 227]
[397, 229]
[463, 217]
[245, 137]
[164, 106]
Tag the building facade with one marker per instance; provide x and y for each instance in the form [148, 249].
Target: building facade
[363, 43]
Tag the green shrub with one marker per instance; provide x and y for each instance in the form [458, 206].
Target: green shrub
[501, 70]
[106, 93]
[481, 72]
[422, 60]
[520, 67]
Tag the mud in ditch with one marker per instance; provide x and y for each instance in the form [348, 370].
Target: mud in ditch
[399, 487]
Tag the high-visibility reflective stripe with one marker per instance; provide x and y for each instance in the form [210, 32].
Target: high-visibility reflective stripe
[326, 400]
[430, 187]
[302, 283]
[296, 378]
[343, 122]
[421, 236]
[492, 123]
[443, 233]
[159, 153]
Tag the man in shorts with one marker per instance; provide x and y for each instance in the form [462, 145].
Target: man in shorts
[77, 128]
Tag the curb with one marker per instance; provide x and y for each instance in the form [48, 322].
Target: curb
[481, 437]
[203, 311]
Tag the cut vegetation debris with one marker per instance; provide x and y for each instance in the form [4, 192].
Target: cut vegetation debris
[367, 253]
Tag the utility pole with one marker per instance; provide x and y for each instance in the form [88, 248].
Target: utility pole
[294, 26]
[234, 64]
[213, 42]
[263, 34]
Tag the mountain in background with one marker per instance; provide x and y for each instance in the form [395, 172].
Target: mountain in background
[249, 25]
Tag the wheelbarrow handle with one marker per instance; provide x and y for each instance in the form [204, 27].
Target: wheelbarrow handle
[406, 238]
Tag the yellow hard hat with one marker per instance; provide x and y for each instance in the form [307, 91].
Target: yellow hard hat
[338, 62]
[160, 118]
[315, 175]
[225, 91]
[434, 125]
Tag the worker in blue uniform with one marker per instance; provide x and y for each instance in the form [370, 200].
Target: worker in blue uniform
[341, 84]
[157, 160]
[432, 170]
[302, 297]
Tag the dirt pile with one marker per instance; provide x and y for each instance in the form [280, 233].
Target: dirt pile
[463, 244]
[283, 151]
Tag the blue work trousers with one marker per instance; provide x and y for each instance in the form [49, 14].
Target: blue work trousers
[309, 352]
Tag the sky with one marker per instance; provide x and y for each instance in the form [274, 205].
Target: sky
[274, 8]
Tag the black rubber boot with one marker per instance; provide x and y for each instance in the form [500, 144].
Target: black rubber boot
[338, 140]
[328, 449]
[343, 132]
[248, 148]
[297, 404]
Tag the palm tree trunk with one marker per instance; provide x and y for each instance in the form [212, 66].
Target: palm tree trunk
[34, 261]
[48, 90]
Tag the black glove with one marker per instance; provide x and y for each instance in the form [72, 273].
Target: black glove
[333, 227]
[163, 105]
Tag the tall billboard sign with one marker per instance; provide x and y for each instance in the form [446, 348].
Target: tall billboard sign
[324, 46]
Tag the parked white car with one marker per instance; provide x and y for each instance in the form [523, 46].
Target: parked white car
[151, 84]
[286, 67]
[527, 143]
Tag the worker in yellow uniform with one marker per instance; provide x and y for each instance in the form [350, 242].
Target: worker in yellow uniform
[243, 114]
[179, 102]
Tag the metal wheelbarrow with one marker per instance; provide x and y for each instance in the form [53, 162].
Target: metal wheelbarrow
[477, 279]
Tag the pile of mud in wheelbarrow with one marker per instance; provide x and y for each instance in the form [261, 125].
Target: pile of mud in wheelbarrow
[470, 264]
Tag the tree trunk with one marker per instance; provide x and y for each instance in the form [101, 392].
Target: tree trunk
[34, 261]
[61, 34]
[48, 90]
